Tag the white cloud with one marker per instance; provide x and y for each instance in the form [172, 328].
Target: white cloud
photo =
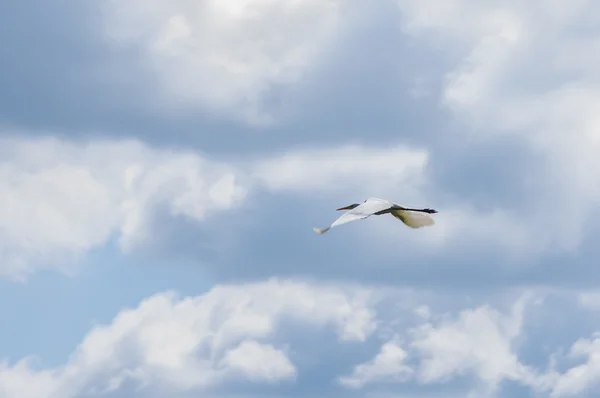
[582, 377]
[461, 227]
[422, 311]
[482, 345]
[589, 299]
[258, 362]
[388, 365]
[345, 168]
[61, 199]
[353, 173]
[238, 334]
[234, 333]
[225, 55]
[478, 342]
[174, 344]
[527, 72]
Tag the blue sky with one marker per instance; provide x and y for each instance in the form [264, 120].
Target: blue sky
[163, 163]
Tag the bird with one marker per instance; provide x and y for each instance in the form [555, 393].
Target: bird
[413, 218]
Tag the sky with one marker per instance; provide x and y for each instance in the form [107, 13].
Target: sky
[163, 163]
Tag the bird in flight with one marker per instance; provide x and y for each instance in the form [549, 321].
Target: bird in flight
[414, 218]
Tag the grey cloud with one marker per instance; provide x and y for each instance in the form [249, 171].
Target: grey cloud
[283, 243]
[61, 76]
[56, 71]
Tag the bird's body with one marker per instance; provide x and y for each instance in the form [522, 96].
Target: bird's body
[414, 218]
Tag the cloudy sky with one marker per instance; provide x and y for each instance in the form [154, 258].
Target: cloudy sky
[163, 163]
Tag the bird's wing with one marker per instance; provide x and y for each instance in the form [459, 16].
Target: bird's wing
[413, 219]
[370, 207]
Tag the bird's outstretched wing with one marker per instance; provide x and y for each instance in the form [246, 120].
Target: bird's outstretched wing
[370, 207]
[413, 219]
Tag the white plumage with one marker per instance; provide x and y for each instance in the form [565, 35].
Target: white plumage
[414, 218]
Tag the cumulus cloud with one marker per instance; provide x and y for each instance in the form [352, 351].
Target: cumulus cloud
[178, 344]
[225, 56]
[524, 70]
[258, 362]
[61, 198]
[479, 341]
[228, 57]
[583, 377]
[353, 173]
[485, 346]
[237, 336]
[344, 168]
[388, 365]
[526, 74]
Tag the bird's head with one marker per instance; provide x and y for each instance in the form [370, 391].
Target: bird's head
[430, 211]
[349, 207]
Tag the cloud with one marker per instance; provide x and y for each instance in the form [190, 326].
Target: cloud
[495, 87]
[583, 377]
[61, 199]
[273, 334]
[518, 73]
[484, 345]
[178, 344]
[344, 168]
[353, 173]
[525, 75]
[388, 365]
[226, 57]
[478, 341]
[580, 378]
[589, 299]
[259, 362]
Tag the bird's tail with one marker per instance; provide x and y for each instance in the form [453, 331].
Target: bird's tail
[321, 231]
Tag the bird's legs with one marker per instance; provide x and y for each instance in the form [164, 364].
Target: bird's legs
[430, 211]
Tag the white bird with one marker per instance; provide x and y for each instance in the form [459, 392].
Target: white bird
[413, 218]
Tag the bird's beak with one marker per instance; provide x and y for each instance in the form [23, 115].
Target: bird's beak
[346, 207]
